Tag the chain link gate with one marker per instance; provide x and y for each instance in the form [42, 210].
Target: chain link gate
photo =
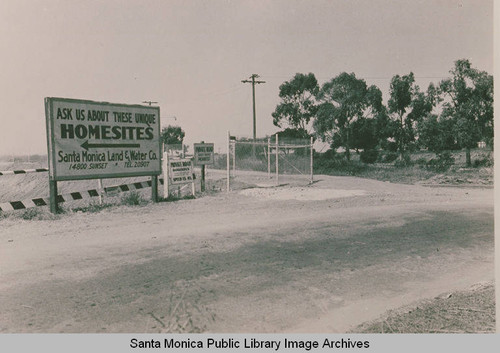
[270, 161]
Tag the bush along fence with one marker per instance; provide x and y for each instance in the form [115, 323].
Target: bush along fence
[44, 201]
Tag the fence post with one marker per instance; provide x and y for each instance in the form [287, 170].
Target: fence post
[277, 162]
[202, 181]
[193, 189]
[312, 163]
[234, 158]
[53, 196]
[269, 157]
[166, 177]
[227, 159]
[154, 188]
[99, 188]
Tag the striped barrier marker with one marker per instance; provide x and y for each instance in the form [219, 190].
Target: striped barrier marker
[23, 171]
[80, 195]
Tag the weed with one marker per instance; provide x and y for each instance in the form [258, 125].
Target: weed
[172, 198]
[133, 198]
[442, 163]
[37, 213]
[93, 207]
[30, 213]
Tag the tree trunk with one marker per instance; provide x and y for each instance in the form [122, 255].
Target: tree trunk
[347, 146]
[401, 133]
[468, 162]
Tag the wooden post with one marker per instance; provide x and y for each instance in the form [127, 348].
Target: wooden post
[154, 188]
[234, 158]
[99, 188]
[269, 157]
[202, 181]
[53, 196]
[166, 177]
[193, 188]
[312, 163]
[277, 162]
[202, 177]
[227, 159]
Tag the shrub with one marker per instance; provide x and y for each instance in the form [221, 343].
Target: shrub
[421, 161]
[133, 198]
[442, 163]
[405, 162]
[369, 156]
[485, 161]
[389, 157]
[340, 166]
[329, 154]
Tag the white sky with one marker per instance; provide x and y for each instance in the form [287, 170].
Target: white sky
[190, 56]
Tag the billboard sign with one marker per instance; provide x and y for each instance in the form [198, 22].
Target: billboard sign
[88, 140]
[203, 153]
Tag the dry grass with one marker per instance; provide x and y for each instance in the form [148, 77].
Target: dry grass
[457, 174]
[471, 311]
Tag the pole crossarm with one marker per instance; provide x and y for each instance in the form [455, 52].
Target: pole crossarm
[247, 81]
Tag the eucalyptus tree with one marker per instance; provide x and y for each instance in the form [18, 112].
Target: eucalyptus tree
[344, 101]
[298, 102]
[468, 104]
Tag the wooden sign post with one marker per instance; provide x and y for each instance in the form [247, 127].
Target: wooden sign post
[203, 155]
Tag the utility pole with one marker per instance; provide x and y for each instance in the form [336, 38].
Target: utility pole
[253, 82]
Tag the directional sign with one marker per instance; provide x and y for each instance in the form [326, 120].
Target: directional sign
[88, 139]
[203, 153]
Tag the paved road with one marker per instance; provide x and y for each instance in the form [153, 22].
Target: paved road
[236, 263]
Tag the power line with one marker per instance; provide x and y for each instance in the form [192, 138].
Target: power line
[362, 77]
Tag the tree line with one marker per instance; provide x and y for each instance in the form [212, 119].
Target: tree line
[456, 113]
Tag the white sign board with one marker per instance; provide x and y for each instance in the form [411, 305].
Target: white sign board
[203, 153]
[88, 140]
[180, 171]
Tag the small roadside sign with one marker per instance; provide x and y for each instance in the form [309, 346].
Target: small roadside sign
[203, 153]
[180, 171]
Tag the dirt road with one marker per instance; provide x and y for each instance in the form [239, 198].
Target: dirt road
[291, 259]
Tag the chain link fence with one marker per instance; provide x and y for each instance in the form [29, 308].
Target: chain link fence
[280, 160]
